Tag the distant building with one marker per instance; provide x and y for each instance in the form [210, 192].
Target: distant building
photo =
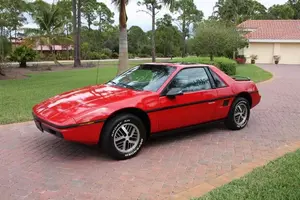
[55, 48]
[42, 48]
[268, 38]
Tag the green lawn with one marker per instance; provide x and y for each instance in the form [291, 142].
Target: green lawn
[280, 179]
[256, 74]
[18, 96]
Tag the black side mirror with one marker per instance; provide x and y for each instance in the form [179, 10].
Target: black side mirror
[174, 92]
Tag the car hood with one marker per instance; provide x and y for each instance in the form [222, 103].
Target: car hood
[73, 105]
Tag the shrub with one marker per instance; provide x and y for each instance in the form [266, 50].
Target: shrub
[94, 56]
[107, 52]
[23, 54]
[115, 55]
[159, 55]
[104, 56]
[141, 55]
[225, 64]
[131, 56]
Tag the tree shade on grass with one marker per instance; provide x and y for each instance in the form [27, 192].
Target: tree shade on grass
[278, 180]
[18, 96]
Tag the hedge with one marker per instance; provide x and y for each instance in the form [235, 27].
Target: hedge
[225, 64]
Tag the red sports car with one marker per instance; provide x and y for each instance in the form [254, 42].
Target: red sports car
[147, 99]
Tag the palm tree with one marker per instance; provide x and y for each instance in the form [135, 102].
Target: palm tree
[123, 44]
[50, 29]
[152, 9]
[76, 9]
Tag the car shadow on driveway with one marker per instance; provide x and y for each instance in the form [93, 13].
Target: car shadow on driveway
[60, 149]
[181, 135]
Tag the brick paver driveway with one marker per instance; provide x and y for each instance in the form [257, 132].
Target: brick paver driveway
[39, 166]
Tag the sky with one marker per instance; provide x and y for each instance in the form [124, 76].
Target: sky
[144, 20]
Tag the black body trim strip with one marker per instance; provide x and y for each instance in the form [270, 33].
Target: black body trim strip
[67, 126]
[187, 128]
[189, 104]
[194, 103]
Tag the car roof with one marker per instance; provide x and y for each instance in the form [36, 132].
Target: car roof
[178, 64]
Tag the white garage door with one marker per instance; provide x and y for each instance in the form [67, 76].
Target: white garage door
[290, 53]
[264, 51]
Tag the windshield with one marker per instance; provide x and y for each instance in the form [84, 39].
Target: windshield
[144, 77]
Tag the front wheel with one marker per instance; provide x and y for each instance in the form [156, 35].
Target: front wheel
[123, 136]
[239, 114]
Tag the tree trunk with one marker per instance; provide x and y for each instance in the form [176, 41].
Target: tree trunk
[153, 34]
[15, 36]
[89, 22]
[100, 22]
[123, 45]
[211, 57]
[183, 37]
[74, 10]
[78, 32]
[10, 36]
[123, 51]
[68, 52]
[23, 64]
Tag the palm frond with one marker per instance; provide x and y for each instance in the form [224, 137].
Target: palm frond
[32, 31]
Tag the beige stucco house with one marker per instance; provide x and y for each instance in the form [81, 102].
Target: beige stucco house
[272, 37]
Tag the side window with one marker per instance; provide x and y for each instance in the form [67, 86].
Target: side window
[191, 79]
[218, 81]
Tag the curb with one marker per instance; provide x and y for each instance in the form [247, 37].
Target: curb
[237, 173]
[269, 80]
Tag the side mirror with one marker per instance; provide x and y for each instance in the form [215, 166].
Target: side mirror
[174, 92]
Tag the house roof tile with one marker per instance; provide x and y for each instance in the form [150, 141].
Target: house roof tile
[272, 29]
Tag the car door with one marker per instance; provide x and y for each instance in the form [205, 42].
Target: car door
[194, 106]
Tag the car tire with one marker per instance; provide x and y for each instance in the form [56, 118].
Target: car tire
[239, 114]
[123, 136]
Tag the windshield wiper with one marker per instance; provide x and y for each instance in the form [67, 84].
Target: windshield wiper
[124, 85]
[112, 82]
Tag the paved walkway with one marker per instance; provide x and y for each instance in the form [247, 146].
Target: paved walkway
[39, 166]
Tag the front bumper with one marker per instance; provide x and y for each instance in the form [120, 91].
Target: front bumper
[88, 133]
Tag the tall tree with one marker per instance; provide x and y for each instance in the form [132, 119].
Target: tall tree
[137, 39]
[123, 44]
[89, 11]
[152, 8]
[188, 15]
[295, 4]
[168, 37]
[216, 38]
[50, 27]
[105, 16]
[284, 11]
[76, 9]
[12, 15]
[65, 11]
[237, 11]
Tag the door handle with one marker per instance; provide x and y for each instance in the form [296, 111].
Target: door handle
[212, 102]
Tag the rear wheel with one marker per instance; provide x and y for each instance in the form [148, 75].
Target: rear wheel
[123, 136]
[239, 114]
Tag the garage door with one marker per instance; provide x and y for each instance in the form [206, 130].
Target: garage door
[264, 51]
[290, 53]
